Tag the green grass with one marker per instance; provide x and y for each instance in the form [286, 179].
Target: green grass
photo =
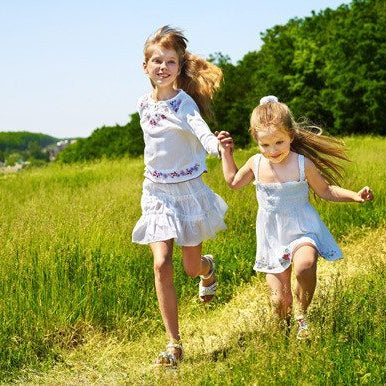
[347, 346]
[239, 342]
[68, 265]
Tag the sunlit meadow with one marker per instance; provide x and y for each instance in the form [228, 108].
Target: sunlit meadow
[69, 275]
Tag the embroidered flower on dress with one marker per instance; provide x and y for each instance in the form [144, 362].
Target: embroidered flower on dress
[173, 174]
[287, 254]
[329, 253]
[285, 259]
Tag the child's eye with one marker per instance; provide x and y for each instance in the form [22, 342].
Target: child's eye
[171, 62]
[279, 142]
[264, 145]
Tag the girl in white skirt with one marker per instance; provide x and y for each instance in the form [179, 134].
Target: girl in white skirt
[176, 204]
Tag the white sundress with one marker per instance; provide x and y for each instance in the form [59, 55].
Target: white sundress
[188, 212]
[285, 220]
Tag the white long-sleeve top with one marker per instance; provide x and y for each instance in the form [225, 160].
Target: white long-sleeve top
[177, 139]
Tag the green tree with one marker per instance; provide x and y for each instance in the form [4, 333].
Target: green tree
[107, 141]
[20, 140]
[13, 159]
[35, 152]
[328, 67]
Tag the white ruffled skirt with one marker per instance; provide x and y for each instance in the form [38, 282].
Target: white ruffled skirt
[188, 212]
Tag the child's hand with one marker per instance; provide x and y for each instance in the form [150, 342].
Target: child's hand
[365, 194]
[225, 141]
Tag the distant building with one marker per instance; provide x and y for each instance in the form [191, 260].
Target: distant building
[53, 150]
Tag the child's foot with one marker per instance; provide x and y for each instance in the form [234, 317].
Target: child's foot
[172, 356]
[303, 331]
[208, 283]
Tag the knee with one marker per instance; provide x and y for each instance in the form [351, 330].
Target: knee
[282, 299]
[192, 271]
[305, 269]
[163, 268]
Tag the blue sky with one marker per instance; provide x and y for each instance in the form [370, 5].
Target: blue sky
[69, 67]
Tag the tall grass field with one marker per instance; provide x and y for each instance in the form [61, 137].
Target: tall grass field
[78, 302]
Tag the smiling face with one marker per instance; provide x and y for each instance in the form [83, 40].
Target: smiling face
[274, 144]
[162, 67]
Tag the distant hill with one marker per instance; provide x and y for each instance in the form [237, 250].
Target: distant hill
[11, 141]
[107, 141]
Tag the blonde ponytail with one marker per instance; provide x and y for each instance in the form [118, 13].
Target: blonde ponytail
[200, 79]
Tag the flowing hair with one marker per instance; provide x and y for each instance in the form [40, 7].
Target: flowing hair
[322, 150]
[198, 77]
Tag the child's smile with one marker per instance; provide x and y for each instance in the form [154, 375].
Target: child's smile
[274, 144]
[162, 67]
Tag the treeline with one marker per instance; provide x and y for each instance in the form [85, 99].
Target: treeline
[20, 140]
[109, 142]
[329, 67]
[23, 145]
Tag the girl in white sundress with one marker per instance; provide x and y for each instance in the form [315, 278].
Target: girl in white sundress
[176, 205]
[288, 228]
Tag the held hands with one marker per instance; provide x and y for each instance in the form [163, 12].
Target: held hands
[225, 142]
[365, 194]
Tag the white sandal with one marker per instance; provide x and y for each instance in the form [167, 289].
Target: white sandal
[303, 330]
[210, 290]
[168, 358]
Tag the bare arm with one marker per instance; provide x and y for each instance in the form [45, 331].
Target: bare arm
[331, 192]
[234, 177]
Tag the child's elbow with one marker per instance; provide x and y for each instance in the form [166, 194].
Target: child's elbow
[326, 194]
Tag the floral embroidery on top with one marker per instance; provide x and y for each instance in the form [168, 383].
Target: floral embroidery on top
[153, 114]
[158, 113]
[144, 104]
[173, 174]
[175, 104]
[153, 120]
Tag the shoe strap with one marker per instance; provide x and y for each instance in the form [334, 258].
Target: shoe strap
[170, 358]
[208, 291]
[176, 344]
[210, 260]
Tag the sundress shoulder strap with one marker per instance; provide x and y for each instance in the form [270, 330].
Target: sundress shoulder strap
[301, 167]
[256, 164]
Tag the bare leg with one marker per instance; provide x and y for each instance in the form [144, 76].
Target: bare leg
[281, 295]
[166, 292]
[305, 259]
[195, 265]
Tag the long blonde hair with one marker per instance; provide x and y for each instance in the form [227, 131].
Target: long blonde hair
[322, 150]
[198, 77]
